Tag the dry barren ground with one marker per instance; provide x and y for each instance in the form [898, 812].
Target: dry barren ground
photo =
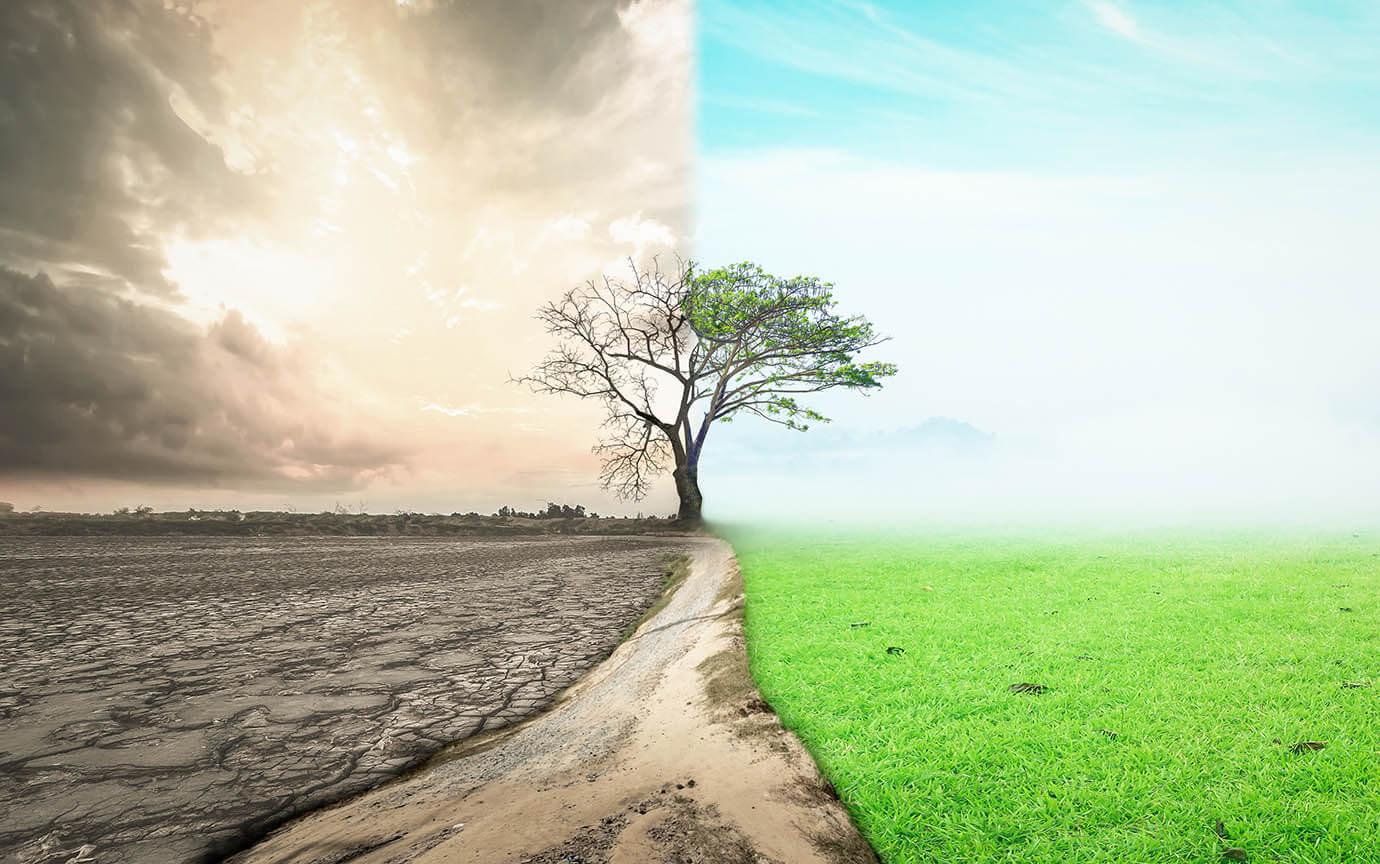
[165, 700]
[664, 754]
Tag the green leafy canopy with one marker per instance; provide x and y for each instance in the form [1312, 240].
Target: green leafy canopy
[776, 334]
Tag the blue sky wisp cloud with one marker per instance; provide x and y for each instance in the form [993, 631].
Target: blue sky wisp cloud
[1130, 240]
[1043, 84]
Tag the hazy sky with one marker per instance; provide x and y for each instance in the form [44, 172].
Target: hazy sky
[1132, 242]
[268, 254]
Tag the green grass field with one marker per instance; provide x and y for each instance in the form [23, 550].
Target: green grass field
[1179, 672]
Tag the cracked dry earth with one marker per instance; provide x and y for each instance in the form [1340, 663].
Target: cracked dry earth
[169, 699]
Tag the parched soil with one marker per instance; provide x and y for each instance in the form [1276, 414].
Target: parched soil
[664, 754]
[170, 700]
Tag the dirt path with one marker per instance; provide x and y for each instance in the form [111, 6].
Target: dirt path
[664, 753]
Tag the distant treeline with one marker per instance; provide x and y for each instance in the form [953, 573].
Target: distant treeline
[552, 511]
[555, 519]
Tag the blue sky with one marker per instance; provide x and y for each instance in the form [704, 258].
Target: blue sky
[1132, 241]
[1087, 85]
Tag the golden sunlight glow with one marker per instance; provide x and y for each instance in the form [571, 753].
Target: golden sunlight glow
[274, 287]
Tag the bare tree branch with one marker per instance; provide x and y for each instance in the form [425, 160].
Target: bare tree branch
[670, 354]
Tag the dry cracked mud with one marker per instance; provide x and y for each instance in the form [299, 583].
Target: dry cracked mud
[170, 699]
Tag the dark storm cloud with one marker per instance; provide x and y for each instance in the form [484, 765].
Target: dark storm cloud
[99, 166]
[96, 386]
[96, 160]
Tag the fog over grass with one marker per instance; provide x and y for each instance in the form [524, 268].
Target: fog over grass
[1171, 346]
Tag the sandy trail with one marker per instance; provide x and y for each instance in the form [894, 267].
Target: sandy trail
[663, 753]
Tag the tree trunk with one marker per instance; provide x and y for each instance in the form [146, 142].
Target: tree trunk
[687, 477]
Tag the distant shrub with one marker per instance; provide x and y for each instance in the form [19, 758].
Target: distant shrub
[551, 511]
[6, 507]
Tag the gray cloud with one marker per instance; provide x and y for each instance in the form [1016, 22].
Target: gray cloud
[101, 387]
[99, 166]
[97, 160]
[532, 54]
[538, 97]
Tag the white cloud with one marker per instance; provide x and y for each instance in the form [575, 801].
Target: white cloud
[463, 299]
[461, 302]
[1116, 19]
[659, 28]
[568, 226]
[455, 411]
[399, 153]
[758, 106]
[384, 178]
[481, 241]
[641, 234]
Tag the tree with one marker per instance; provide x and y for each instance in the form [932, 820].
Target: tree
[670, 355]
[6, 508]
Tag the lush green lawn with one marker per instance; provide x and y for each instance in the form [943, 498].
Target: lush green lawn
[1180, 672]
